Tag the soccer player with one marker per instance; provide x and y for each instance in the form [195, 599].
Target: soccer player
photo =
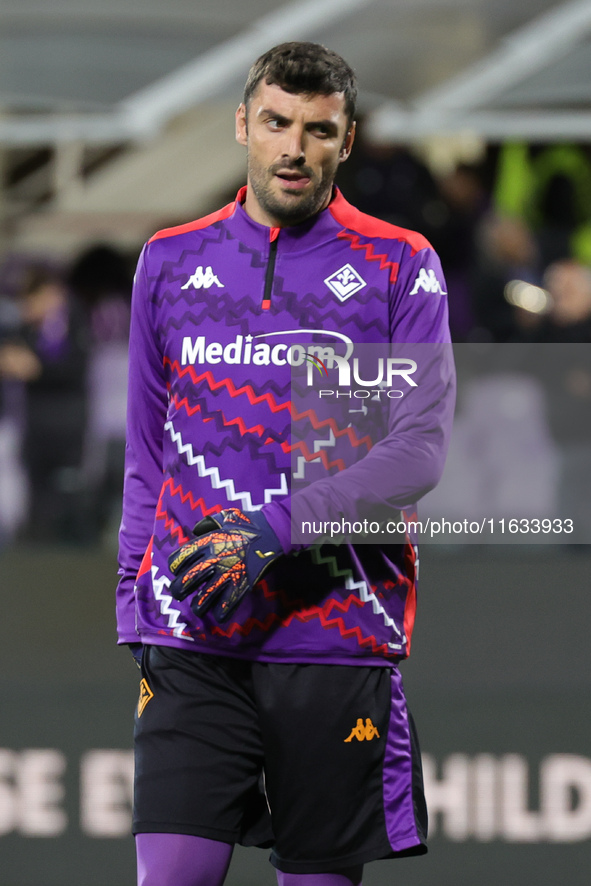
[271, 708]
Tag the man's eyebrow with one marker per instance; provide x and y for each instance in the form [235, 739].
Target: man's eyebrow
[329, 125]
[269, 112]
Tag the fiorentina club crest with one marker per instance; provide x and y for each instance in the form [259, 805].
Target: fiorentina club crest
[345, 282]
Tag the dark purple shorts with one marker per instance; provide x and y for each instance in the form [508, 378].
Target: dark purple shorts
[320, 762]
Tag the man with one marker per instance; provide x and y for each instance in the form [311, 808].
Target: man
[271, 710]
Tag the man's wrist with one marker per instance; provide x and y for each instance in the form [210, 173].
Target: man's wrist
[278, 516]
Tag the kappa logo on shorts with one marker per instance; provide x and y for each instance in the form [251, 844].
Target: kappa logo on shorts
[145, 695]
[363, 732]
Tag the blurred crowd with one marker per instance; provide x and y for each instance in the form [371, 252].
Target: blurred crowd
[63, 367]
[514, 235]
[518, 214]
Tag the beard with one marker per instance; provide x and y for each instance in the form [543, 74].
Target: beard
[293, 207]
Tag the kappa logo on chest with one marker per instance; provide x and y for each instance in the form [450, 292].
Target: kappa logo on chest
[202, 279]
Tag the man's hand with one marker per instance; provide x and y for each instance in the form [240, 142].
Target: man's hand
[231, 552]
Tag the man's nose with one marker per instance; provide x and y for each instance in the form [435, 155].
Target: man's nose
[294, 147]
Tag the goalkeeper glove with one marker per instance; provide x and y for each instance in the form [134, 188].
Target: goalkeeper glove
[231, 552]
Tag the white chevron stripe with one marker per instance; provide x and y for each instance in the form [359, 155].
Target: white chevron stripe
[283, 490]
[213, 475]
[300, 471]
[368, 596]
[328, 443]
[365, 595]
[166, 608]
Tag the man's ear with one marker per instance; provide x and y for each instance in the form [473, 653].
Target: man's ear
[347, 143]
[241, 128]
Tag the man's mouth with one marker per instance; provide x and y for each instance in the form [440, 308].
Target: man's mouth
[292, 180]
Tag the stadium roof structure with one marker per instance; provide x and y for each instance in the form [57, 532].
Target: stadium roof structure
[116, 116]
[110, 71]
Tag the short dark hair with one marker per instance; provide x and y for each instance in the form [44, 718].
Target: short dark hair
[304, 68]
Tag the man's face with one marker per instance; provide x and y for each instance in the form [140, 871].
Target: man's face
[295, 145]
[569, 284]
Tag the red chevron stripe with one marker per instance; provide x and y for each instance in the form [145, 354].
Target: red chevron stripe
[312, 456]
[247, 628]
[190, 410]
[238, 421]
[369, 253]
[188, 496]
[331, 423]
[310, 414]
[369, 226]
[162, 514]
[229, 385]
[347, 633]
[268, 398]
[305, 615]
[169, 524]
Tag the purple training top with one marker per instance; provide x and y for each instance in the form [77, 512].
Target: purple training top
[218, 307]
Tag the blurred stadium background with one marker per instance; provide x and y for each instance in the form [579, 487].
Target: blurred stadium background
[116, 119]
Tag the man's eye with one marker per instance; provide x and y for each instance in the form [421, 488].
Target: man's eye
[273, 123]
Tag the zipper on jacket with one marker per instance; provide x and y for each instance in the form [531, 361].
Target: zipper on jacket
[270, 273]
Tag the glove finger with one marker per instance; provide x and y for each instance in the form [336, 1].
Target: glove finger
[189, 581]
[226, 606]
[233, 594]
[208, 524]
[189, 553]
[208, 594]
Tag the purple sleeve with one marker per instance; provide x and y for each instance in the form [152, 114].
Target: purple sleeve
[408, 462]
[146, 415]
[419, 301]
